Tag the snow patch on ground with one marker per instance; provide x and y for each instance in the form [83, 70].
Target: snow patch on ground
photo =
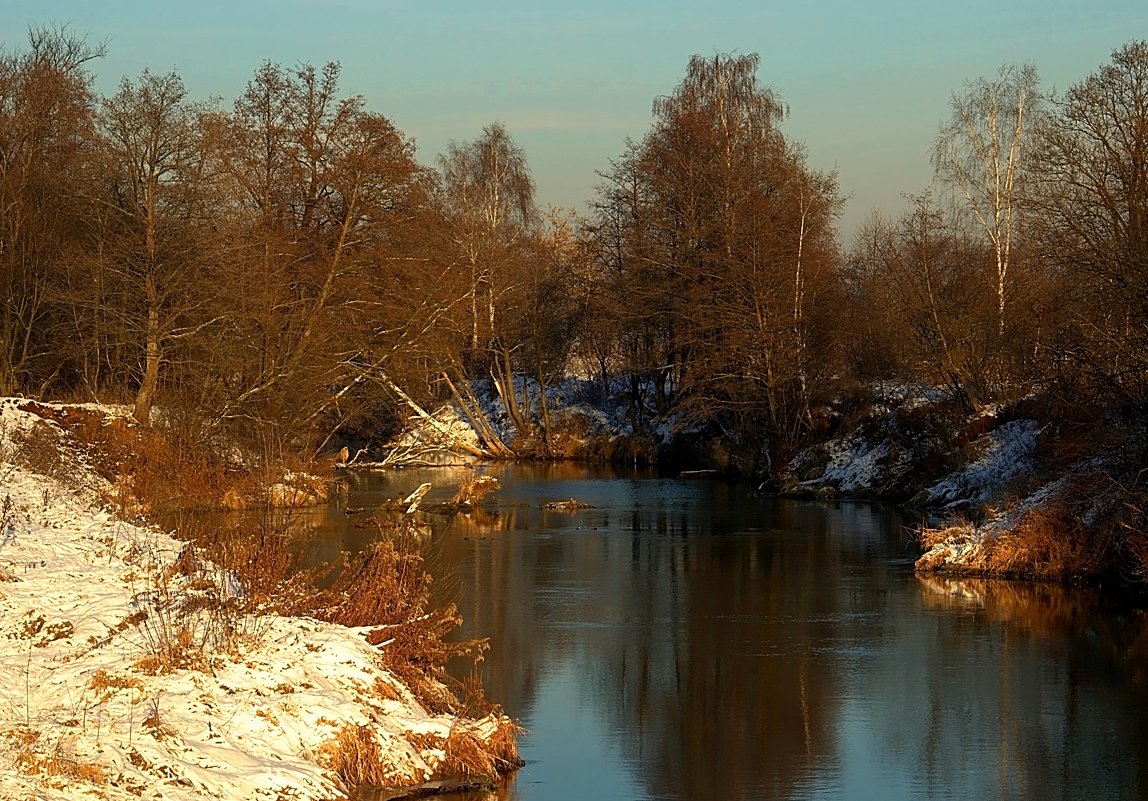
[1004, 454]
[855, 465]
[80, 715]
[882, 453]
[567, 398]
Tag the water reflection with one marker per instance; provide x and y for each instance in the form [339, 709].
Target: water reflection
[684, 640]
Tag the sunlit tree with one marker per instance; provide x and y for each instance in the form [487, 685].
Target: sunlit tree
[1093, 205]
[982, 152]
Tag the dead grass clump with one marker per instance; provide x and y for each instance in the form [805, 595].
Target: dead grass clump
[385, 690]
[174, 467]
[108, 685]
[466, 756]
[1047, 543]
[182, 622]
[470, 754]
[932, 537]
[34, 758]
[502, 744]
[387, 586]
[471, 492]
[154, 722]
[355, 757]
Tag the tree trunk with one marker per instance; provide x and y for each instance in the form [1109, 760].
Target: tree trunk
[146, 395]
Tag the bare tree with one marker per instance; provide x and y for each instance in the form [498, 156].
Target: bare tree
[1093, 206]
[324, 193]
[156, 166]
[46, 109]
[982, 152]
[488, 198]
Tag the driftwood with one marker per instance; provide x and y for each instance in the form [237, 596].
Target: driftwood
[408, 505]
[415, 455]
[469, 495]
[413, 500]
[473, 490]
[565, 506]
[430, 419]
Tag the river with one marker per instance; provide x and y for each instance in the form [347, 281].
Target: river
[689, 640]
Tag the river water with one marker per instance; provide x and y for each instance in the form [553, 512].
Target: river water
[688, 640]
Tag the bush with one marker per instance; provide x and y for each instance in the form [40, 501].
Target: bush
[387, 587]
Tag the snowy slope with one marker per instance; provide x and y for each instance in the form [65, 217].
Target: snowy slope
[86, 713]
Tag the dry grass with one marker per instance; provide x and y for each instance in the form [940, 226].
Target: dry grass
[1048, 543]
[266, 559]
[469, 754]
[108, 685]
[33, 757]
[151, 469]
[387, 586]
[502, 744]
[355, 757]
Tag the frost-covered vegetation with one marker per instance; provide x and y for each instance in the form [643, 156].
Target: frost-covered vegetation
[1019, 490]
[135, 665]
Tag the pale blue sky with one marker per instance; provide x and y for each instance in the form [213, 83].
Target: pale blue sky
[867, 83]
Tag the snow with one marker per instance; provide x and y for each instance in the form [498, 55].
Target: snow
[569, 397]
[82, 714]
[1004, 454]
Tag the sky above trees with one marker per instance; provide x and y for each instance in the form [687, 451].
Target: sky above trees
[867, 84]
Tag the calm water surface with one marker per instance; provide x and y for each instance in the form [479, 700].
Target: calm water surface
[686, 640]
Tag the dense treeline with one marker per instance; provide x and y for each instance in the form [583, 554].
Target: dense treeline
[286, 269]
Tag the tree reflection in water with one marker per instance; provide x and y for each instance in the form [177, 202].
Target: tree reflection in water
[684, 640]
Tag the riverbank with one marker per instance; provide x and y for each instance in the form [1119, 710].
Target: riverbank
[130, 670]
[1016, 491]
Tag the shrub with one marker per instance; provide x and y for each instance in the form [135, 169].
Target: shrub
[387, 587]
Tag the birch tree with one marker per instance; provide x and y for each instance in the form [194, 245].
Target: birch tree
[491, 217]
[489, 203]
[982, 153]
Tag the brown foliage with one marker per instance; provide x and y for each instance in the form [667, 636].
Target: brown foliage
[386, 586]
[355, 757]
[1048, 543]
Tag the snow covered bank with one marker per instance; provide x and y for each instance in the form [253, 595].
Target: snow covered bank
[903, 437]
[1011, 491]
[577, 420]
[123, 676]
